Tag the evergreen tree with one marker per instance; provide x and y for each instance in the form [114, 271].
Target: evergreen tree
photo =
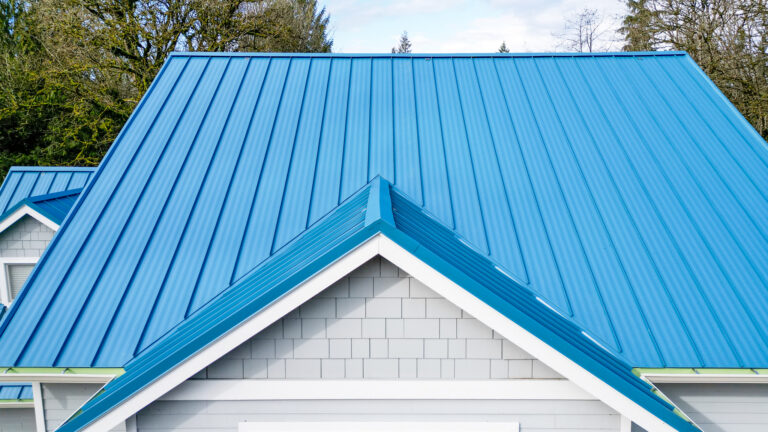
[404, 46]
[636, 27]
[503, 48]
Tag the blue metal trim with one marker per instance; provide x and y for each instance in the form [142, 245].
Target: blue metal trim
[427, 55]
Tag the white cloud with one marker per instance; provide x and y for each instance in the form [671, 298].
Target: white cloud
[456, 25]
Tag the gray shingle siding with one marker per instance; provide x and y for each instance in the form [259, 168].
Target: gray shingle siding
[17, 419]
[377, 323]
[25, 238]
[722, 407]
[60, 401]
[384, 323]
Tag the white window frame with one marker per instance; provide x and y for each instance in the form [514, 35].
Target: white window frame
[5, 289]
[378, 426]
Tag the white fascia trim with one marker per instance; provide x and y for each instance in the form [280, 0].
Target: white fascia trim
[520, 337]
[238, 335]
[56, 378]
[5, 286]
[26, 210]
[260, 389]
[705, 378]
[381, 245]
[37, 400]
[11, 405]
[625, 425]
[380, 426]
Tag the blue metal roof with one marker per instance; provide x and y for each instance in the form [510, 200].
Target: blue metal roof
[54, 206]
[23, 182]
[11, 392]
[370, 211]
[624, 190]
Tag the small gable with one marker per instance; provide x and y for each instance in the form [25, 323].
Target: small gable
[27, 237]
[378, 323]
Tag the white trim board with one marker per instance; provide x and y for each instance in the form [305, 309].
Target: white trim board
[261, 389]
[26, 210]
[5, 289]
[381, 245]
[56, 378]
[655, 378]
[321, 426]
[12, 405]
[37, 400]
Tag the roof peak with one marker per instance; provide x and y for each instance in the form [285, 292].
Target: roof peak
[430, 55]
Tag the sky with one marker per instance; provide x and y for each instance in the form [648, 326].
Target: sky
[457, 26]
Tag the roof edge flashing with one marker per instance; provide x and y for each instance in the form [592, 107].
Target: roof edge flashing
[430, 55]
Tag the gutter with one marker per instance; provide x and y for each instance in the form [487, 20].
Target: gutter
[702, 375]
[60, 375]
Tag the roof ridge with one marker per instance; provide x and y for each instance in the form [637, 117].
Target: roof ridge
[432, 55]
[379, 202]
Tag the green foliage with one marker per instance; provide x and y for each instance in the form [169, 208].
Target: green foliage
[73, 70]
[503, 47]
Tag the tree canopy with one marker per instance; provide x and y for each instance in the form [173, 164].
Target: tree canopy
[73, 70]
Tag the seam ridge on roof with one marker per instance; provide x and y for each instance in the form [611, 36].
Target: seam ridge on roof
[696, 144]
[531, 189]
[515, 228]
[129, 164]
[626, 208]
[319, 149]
[733, 113]
[674, 188]
[466, 143]
[439, 120]
[289, 165]
[542, 141]
[230, 182]
[259, 179]
[715, 133]
[723, 220]
[578, 162]
[120, 237]
[653, 201]
[161, 214]
[192, 210]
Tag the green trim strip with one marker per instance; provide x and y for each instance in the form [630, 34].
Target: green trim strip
[9, 401]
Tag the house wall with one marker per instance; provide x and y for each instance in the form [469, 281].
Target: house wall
[60, 401]
[377, 324]
[26, 238]
[17, 420]
[533, 416]
[722, 407]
